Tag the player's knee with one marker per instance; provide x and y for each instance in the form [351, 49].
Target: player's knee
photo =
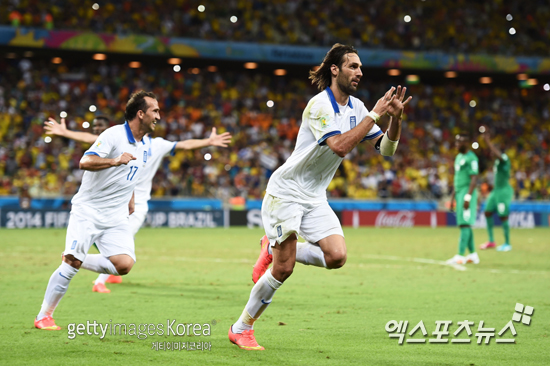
[123, 266]
[282, 272]
[124, 269]
[72, 261]
[336, 260]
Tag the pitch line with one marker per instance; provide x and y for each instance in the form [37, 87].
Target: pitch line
[458, 267]
[455, 266]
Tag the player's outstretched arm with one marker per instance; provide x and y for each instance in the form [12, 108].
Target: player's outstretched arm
[214, 140]
[492, 147]
[94, 163]
[52, 127]
[344, 143]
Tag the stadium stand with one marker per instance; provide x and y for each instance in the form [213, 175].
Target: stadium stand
[193, 101]
[464, 26]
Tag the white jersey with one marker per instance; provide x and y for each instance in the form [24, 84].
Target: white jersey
[104, 195]
[157, 149]
[305, 176]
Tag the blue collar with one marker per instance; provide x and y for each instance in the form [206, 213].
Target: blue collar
[333, 101]
[130, 135]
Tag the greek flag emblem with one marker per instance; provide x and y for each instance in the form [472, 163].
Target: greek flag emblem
[352, 122]
[279, 231]
[145, 156]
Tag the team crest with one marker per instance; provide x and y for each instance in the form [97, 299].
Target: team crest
[145, 156]
[279, 231]
[352, 122]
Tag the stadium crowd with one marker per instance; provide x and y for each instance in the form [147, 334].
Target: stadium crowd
[465, 26]
[236, 101]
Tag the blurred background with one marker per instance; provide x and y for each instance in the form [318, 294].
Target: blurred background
[242, 67]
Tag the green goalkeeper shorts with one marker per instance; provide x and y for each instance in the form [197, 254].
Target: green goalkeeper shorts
[499, 201]
[466, 217]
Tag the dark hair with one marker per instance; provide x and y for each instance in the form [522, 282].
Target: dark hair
[137, 103]
[323, 76]
[103, 119]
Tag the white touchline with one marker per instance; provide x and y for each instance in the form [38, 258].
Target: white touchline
[456, 266]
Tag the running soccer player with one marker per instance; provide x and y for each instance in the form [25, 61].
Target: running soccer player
[157, 149]
[101, 207]
[465, 194]
[333, 123]
[500, 197]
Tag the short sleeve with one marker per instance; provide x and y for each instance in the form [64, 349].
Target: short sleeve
[506, 161]
[322, 122]
[103, 146]
[374, 132]
[163, 147]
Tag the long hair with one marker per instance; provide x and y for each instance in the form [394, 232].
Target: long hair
[137, 103]
[323, 76]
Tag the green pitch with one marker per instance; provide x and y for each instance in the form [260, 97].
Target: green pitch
[318, 317]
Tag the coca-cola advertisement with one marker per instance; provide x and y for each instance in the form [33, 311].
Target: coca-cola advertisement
[403, 218]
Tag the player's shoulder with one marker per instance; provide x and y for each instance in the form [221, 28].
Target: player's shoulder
[319, 103]
[472, 155]
[114, 130]
[320, 98]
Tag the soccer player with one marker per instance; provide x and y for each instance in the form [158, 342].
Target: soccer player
[157, 149]
[465, 194]
[101, 207]
[500, 197]
[333, 123]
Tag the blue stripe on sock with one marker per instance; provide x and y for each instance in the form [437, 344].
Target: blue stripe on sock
[64, 276]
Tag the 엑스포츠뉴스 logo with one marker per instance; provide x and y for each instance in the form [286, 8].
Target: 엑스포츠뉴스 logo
[399, 329]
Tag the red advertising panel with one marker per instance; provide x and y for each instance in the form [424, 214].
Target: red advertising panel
[404, 218]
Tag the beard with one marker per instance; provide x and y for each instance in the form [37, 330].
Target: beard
[345, 86]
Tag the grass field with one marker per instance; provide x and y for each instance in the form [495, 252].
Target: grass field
[330, 317]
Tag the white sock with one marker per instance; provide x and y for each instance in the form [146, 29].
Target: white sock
[57, 286]
[310, 254]
[98, 263]
[260, 298]
[102, 278]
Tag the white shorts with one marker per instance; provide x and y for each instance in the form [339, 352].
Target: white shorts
[313, 222]
[136, 220]
[82, 233]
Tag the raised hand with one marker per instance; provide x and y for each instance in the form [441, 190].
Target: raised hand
[219, 140]
[52, 127]
[396, 103]
[383, 104]
[123, 159]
